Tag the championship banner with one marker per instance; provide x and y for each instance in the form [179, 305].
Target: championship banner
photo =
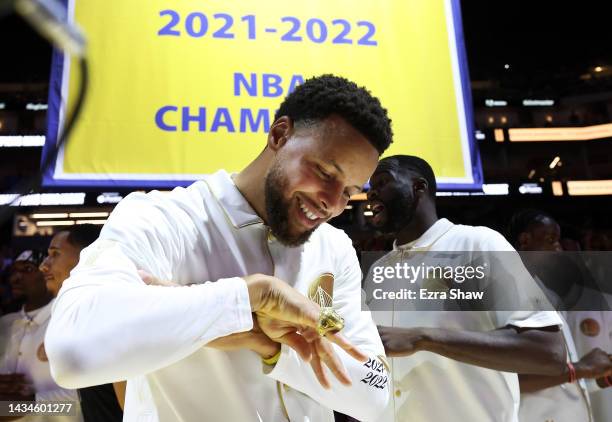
[181, 89]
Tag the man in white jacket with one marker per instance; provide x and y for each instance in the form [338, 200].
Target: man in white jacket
[188, 352]
[454, 360]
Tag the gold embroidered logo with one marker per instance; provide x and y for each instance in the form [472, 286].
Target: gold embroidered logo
[41, 354]
[321, 290]
[589, 327]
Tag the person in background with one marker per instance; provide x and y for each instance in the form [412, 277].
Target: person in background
[561, 398]
[449, 365]
[104, 402]
[24, 367]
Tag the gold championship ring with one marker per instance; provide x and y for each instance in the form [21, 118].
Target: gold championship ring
[329, 321]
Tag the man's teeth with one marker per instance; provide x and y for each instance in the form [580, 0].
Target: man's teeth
[308, 213]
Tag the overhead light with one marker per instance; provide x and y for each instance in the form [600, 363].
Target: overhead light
[530, 188]
[99, 222]
[506, 66]
[55, 223]
[36, 107]
[495, 188]
[554, 162]
[359, 197]
[49, 215]
[491, 120]
[532, 173]
[109, 198]
[479, 135]
[589, 187]
[368, 213]
[557, 188]
[37, 199]
[598, 69]
[2, 106]
[22, 141]
[499, 135]
[88, 214]
[348, 207]
[538, 103]
[438, 193]
[552, 134]
[489, 102]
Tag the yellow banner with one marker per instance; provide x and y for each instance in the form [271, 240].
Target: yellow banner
[180, 89]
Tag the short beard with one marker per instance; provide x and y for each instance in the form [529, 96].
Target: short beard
[400, 213]
[277, 209]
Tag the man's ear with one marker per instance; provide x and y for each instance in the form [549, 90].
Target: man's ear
[420, 186]
[279, 132]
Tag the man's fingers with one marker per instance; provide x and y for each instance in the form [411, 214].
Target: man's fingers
[317, 367]
[339, 340]
[310, 334]
[328, 356]
[297, 343]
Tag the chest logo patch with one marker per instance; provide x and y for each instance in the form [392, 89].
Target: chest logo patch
[589, 327]
[321, 290]
[41, 354]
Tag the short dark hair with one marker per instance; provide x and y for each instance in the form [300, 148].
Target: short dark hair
[83, 235]
[523, 221]
[412, 164]
[322, 96]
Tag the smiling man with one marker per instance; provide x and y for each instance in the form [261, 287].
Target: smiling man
[194, 352]
[467, 358]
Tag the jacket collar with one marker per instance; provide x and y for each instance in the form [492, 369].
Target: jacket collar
[233, 203]
[38, 316]
[427, 239]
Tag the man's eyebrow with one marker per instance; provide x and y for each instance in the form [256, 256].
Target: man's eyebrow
[337, 166]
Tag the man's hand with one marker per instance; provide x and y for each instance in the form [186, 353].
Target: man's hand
[15, 387]
[323, 353]
[287, 316]
[254, 340]
[595, 364]
[400, 341]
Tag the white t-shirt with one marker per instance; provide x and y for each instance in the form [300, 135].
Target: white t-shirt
[592, 329]
[430, 387]
[561, 403]
[22, 351]
[115, 327]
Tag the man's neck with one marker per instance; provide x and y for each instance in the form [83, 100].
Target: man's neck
[36, 303]
[251, 184]
[416, 228]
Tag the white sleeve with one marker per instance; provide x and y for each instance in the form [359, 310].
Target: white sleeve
[368, 396]
[532, 309]
[107, 325]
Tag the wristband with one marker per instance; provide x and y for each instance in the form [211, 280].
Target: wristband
[572, 372]
[273, 359]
